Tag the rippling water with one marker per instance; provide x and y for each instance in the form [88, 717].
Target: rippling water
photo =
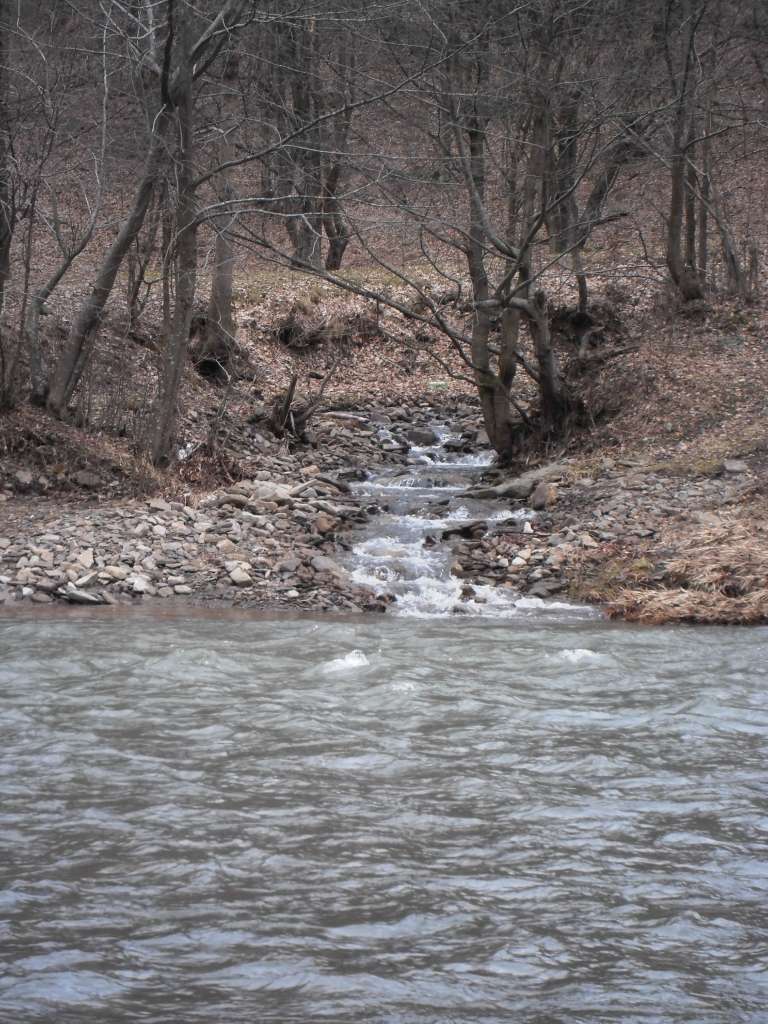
[232, 819]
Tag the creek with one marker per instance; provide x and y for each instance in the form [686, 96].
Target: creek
[401, 552]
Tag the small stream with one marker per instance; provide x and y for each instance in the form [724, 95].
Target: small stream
[400, 552]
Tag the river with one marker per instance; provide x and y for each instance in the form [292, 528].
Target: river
[542, 818]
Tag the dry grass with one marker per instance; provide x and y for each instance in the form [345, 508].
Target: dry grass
[717, 575]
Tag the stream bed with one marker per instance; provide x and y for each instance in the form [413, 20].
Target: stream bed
[542, 818]
[401, 552]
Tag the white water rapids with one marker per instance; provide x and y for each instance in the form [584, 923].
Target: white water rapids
[420, 501]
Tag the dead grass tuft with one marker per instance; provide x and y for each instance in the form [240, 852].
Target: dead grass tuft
[718, 575]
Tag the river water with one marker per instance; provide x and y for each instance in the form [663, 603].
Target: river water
[543, 819]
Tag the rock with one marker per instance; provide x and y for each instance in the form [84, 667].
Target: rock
[289, 565]
[467, 530]
[23, 478]
[84, 478]
[85, 558]
[587, 541]
[182, 589]
[159, 505]
[140, 584]
[240, 577]
[544, 496]
[546, 588]
[48, 586]
[735, 466]
[456, 444]
[41, 598]
[5, 543]
[116, 572]
[226, 546]
[74, 596]
[266, 490]
[321, 563]
[520, 486]
[324, 524]
[421, 436]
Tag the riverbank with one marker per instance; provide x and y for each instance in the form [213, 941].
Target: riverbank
[648, 541]
[652, 541]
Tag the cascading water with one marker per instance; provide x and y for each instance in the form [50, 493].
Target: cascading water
[400, 553]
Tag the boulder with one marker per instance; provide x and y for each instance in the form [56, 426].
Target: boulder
[321, 563]
[421, 436]
[85, 558]
[71, 594]
[240, 577]
[544, 496]
[84, 478]
[521, 486]
[324, 524]
[140, 584]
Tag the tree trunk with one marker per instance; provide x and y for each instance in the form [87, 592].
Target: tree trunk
[685, 278]
[220, 323]
[493, 388]
[185, 262]
[691, 188]
[556, 403]
[8, 361]
[335, 224]
[77, 349]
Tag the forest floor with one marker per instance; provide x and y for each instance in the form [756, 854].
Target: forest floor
[657, 512]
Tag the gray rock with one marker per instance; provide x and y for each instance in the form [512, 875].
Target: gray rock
[523, 485]
[546, 588]
[289, 565]
[71, 594]
[140, 584]
[421, 436]
[544, 495]
[240, 577]
[321, 563]
[84, 478]
[735, 466]
[85, 558]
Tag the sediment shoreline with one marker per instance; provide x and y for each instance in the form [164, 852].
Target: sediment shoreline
[605, 531]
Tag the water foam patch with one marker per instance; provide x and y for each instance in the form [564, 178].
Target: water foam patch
[576, 656]
[347, 663]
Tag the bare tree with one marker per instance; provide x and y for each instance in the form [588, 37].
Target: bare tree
[7, 214]
[156, 54]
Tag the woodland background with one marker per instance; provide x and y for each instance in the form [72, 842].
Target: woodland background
[557, 207]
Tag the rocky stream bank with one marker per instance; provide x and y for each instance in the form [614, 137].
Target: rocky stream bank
[582, 530]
